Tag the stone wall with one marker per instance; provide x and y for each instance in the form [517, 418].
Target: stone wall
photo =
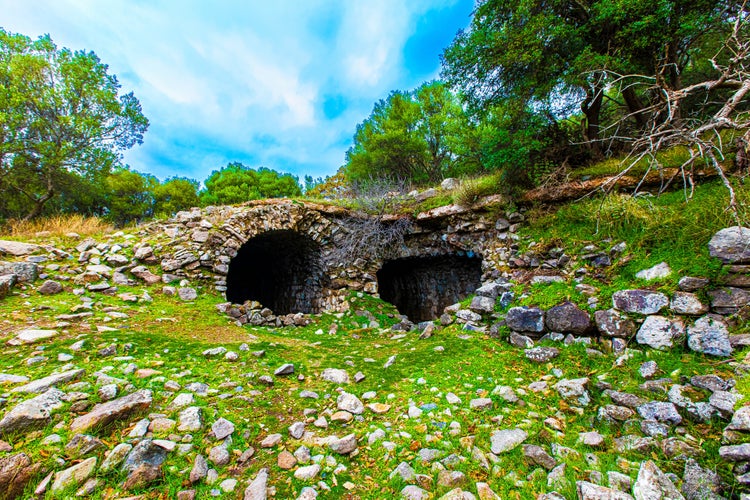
[210, 243]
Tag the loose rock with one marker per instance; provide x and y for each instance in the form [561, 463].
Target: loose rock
[505, 440]
[106, 413]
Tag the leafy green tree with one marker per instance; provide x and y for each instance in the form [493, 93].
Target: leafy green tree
[311, 183]
[129, 195]
[237, 183]
[409, 136]
[175, 194]
[272, 184]
[553, 55]
[85, 195]
[60, 112]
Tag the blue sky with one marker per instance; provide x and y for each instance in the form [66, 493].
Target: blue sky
[280, 84]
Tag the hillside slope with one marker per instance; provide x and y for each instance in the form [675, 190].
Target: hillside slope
[566, 376]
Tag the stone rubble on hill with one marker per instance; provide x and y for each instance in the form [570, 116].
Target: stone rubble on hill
[645, 318]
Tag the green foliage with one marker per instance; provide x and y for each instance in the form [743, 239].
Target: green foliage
[61, 113]
[562, 57]
[175, 194]
[237, 183]
[522, 145]
[130, 196]
[333, 187]
[410, 136]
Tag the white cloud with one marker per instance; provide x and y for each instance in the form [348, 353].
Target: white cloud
[217, 79]
[252, 78]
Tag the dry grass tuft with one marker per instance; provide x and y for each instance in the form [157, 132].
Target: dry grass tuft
[472, 190]
[55, 226]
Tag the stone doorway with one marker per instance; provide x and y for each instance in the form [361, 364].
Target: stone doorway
[280, 269]
[421, 287]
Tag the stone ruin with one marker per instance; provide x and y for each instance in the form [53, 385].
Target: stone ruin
[277, 259]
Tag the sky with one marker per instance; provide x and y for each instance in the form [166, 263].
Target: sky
[280, 84]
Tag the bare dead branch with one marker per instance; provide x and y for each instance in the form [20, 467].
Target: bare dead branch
[699, 131]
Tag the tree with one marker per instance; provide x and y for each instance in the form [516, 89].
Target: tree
[701, 115]
[60, 112]
[237, 183]
[409, 136]
[130, 196]
[553, 55]
[175, 194]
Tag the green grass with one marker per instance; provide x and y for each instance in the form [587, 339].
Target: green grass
[665, 228]
[471, 365]
[169, 335]
[472, 190]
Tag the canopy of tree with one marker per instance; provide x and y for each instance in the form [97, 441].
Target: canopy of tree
[559, 55]
[237, 183]
[61, 116]
[410, 135]
[529, 87]
[545, 85]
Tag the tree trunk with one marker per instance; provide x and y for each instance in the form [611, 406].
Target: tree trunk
[635, 107]
[40, 201]
[591, 107]
[741, 160]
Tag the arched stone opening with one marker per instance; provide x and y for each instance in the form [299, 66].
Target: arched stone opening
[421, 287]
[280, 269]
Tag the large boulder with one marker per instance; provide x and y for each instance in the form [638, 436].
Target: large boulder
[613, 323]
[6, 284]
[106, 413]
[568, 318]
[660, 332]
[72, 476]
[659, 271]
[591, 491]
[482, 305]
[33, 413]
[525, 319]
[709, 335]
[639, 301]
[661, 411]
[146, 452]
[15, 473]
[256, 490]
[729, 300]
[507, 439]
[50, 287]
[142, 273]
[42, 384]
[653, 484]
[26, 272]
[31, 336]
[574, 391]
[17, 248]
[699, 483]
[688, 304]
[731, 245]
[335, 375]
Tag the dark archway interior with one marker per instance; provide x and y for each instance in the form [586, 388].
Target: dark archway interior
[280, 269]
[421, 287]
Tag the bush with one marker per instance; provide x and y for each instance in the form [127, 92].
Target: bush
[472, 190]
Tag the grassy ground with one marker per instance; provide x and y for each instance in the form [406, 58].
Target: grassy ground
[169, 336]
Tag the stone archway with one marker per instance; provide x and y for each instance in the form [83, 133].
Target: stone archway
[421, 287]
[281, 269]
